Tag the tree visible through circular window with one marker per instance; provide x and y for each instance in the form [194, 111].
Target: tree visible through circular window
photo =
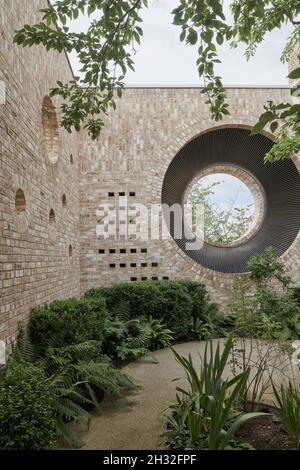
[221, 207]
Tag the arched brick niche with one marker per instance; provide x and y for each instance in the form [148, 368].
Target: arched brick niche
[50, 129]
[52, 217]
[20, 201]
[278, 223]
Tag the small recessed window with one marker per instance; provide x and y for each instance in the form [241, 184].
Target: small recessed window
[132, 194]
[155, 279]
[133, 250]
[122, 265]
[52, 216]
[112, 265]
[122, 194]
[122, 251]
[64, 200]
[133, 265]
[50, 128]
[111, 194]
[133, 279]
[154, 265]
[144, 250]
[71, 159]
[165, 278]
[20, 201]
[101, 252]
[144, 265]
[144, 278]
[112, 252]
[70, 251]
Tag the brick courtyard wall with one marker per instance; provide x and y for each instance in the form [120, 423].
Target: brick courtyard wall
[35, 266]
[136, 147]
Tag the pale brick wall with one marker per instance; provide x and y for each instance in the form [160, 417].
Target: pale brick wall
[34, 258]
[135, 149]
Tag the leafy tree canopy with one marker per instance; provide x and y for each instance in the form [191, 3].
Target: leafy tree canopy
[105, 52]
[221, 223]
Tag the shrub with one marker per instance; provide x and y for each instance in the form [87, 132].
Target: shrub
[264, 305]
[289, 409]
[204, 414]
[66, 322]
[127, 339]
[78, 376]
[296, 294]
[175, 303]
[26, 414]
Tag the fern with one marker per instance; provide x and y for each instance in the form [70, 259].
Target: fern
[77, 377]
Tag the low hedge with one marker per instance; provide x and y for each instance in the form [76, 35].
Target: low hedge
[177, 303]
[66, 322]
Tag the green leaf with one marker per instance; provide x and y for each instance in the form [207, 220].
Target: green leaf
[294, 74]
[192, 37]
[274, 126]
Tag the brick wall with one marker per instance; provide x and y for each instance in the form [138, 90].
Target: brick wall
[136, 147]
[35, 266]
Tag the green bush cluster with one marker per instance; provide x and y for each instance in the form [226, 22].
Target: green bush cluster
[206, 413]
[178, 304]
[74, 346]
[265, 305]
[26, 413]
[66, 322]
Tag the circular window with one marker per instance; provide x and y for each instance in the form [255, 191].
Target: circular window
[20, 201]
[275, 190]
[224, 205]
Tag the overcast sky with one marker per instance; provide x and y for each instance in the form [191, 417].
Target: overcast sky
[163, 60]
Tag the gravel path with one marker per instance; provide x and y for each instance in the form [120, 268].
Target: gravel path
[137, 423]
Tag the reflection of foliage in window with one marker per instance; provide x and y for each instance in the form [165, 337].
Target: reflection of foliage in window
[223, 223]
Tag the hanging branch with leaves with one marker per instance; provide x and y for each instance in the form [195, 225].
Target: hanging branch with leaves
[105, 53]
